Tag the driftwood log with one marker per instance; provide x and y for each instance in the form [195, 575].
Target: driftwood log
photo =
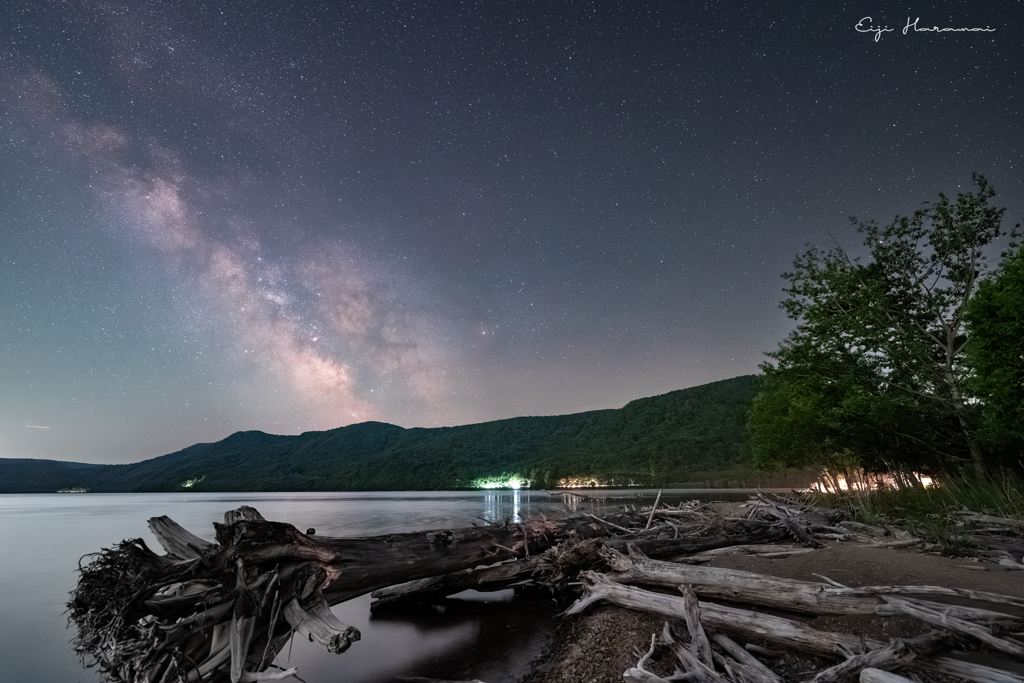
[778, 630]
[222, 611]
[807, 597]
[560, 563]
[213, 611]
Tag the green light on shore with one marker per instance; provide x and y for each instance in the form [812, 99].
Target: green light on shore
[502, 481]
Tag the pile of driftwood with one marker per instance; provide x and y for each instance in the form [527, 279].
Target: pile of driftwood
[993, 539]
[222, 611]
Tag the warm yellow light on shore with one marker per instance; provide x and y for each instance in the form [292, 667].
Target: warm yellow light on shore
[864, 482]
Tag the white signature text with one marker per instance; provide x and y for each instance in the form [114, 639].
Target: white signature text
[865, 25]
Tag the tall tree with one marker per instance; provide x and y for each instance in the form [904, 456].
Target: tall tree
[995, 323]
[883, 339]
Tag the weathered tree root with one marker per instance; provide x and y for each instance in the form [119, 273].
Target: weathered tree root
[113, 583]
[211, 612]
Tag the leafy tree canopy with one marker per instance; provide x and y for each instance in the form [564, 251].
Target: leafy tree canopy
[995, 323]
[876, 366]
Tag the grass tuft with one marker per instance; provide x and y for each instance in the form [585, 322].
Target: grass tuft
[931, 513]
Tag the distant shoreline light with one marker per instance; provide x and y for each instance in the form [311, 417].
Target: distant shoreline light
[502, 481]
[516, 481]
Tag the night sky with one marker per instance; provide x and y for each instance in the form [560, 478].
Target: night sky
[294, 216]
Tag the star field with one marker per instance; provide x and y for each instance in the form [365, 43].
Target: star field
[286, 217]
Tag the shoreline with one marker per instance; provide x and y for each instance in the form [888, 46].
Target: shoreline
[598, 645]
[767, 558]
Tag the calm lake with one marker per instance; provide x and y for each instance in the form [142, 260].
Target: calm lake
[487, 636]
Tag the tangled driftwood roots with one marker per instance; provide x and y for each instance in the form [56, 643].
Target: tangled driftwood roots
[222, 611]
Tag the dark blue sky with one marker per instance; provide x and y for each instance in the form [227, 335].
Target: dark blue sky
[295, 216]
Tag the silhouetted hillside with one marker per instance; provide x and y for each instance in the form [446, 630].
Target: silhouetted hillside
[24, 475]
[654, 440]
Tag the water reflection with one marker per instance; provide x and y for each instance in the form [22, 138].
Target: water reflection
[572, 501]
[513, 505]
[516, 505]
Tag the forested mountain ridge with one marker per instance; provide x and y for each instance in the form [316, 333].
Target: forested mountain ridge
[649, 441]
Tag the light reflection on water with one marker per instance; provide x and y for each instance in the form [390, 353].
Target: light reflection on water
[512, 505]
[42, 538]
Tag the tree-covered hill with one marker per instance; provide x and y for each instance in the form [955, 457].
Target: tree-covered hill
[654, 440]
[25, 475]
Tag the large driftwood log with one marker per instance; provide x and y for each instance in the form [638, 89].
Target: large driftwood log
[733, 585]
[758, 549]
[807, 597]
[561, 562]
[483, 579]
[737, 532]
[222, 611]
[355, 566]
[721, 618]
[942, 616]
[779, 630]
[989, 519]
[700, 646]
[815, 598]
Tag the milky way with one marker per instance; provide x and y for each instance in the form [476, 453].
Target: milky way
[259, 216]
